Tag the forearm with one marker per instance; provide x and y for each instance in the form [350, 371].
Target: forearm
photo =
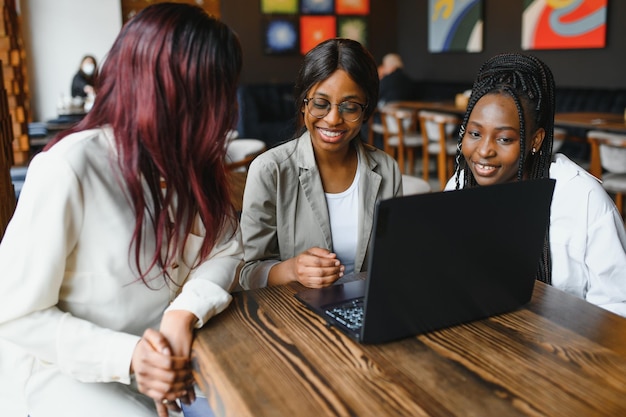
[282, 273]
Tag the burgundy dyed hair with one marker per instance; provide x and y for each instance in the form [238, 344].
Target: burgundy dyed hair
[168, 89]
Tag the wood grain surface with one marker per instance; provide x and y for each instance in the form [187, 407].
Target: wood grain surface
[267, 355]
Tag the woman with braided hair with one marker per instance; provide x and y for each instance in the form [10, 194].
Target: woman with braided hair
[506, 135]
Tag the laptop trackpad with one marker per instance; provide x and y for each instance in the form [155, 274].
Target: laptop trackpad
[319, 298]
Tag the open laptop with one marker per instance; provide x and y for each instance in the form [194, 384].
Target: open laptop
[441, 259]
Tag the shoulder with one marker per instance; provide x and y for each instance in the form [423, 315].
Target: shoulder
[81, 149]
[379, 164]
[281, 155]
[575, 187]
[565, 172]
[375, 156]
[72, 166]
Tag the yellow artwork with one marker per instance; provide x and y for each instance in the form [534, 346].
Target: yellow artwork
[279, 6]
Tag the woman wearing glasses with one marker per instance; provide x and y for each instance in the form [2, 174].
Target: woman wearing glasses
[308, 204]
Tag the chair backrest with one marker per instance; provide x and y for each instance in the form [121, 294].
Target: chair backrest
[395, 119]
[436, 125]
[560, 135]
[608, 150]
[414, 185]
[241, 152]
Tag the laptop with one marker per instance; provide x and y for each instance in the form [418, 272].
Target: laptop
[441, 259]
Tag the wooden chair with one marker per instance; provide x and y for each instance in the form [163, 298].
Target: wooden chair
[438, 131]
[241, 152]
[560, 136]
[374, 127]
[400, 135]
[608, 162]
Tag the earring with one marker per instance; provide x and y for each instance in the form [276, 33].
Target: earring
[533, 151]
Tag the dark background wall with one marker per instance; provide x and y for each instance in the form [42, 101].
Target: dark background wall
[402, 26]
[244, 16]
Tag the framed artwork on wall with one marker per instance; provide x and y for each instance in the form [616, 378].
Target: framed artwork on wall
[358, 7]
[279, 6]
[317, 6]
[353, 27]
[455, 26]
[316, 29]
[573, 24]
[297, 26]
[280, 35]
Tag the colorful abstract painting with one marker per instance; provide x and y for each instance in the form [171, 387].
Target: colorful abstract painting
[455, 26]
[281, 35]
[317, 6]
[279, 6]
[357, 7]
[564, 24]
[316, 29]
[353, 27]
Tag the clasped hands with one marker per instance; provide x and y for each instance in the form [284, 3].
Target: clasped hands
[161, 362]
[313, 268]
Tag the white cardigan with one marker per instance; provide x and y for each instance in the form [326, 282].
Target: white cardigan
[69, 297]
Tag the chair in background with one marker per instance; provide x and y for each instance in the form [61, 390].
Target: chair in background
[438, 132]
[241, 152]
[414, 185]
[400, 135]
[608, 162]
[560, 135]
[374, 127]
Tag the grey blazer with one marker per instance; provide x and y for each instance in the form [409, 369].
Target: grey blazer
[284, 207]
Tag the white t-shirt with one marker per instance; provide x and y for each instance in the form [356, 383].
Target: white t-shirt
[343, 210]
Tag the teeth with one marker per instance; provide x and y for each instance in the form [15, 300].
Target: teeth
[330, 133]
[481, 166]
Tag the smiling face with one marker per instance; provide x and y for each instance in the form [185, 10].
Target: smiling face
[332, 133]
[491, 143]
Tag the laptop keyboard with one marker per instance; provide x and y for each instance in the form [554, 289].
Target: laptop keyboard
[349, 314]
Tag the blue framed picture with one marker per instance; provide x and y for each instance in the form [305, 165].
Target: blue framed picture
[280, 35]
[455, 26]
[317, 6]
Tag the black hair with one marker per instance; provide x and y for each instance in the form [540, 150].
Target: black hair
[326, 58]
[530, 83]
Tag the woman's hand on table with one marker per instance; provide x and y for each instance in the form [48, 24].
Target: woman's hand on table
[313, 268]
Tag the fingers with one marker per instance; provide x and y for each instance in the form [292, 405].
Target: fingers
[321, 252]
[160, 375]
[165, 405]
[317, 268]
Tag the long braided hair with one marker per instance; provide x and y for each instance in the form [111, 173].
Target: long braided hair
[530, 83]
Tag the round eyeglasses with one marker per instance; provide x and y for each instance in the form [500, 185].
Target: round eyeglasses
[350, 111]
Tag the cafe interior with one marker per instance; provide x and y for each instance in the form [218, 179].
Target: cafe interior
[561, 361]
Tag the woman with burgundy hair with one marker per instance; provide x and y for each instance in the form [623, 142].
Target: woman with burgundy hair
[124, 239]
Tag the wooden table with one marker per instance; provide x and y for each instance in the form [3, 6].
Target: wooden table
[592, 121]
[267, 355]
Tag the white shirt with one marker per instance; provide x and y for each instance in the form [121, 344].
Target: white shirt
[69, 296]
[587, 238]
[343, 210]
